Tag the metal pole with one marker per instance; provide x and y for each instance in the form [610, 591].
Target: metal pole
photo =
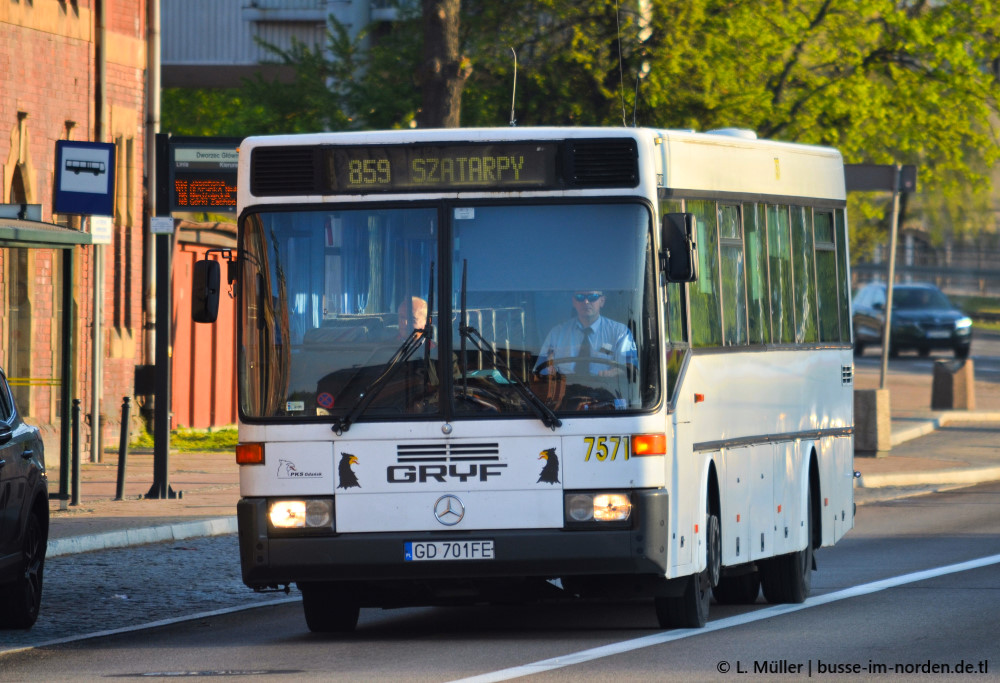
[75, 500]
[892, 276]
[152, 129]
[161, 405]
[68, 372]
[101, 116]
[123, 449]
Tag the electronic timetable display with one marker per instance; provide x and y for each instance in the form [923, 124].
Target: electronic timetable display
[413, 168]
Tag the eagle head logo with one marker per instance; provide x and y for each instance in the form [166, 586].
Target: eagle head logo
[549, 473]
[286, 469]
[348, 479]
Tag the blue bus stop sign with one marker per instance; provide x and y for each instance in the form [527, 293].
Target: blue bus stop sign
[85, 178]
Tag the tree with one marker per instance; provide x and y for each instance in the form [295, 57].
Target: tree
[443, 73]
[884, 81]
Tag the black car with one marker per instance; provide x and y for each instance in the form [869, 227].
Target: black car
[923, 319]
[24, 515]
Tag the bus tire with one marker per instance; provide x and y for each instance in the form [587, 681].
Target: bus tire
[327, 611]
[690, 610]
[742, 589]
[788, 578]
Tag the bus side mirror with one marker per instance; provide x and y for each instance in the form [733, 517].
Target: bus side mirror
[205, 286]
[680, 253]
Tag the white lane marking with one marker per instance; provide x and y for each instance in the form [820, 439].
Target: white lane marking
[151, 624]
[766, 613]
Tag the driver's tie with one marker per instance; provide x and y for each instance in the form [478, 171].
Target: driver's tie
[584, 351]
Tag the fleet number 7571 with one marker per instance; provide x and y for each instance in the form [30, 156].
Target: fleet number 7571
[606, 447]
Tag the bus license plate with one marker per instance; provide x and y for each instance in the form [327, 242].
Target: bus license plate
[421, 551]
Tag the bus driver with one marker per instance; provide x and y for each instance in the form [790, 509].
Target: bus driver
[588, 334]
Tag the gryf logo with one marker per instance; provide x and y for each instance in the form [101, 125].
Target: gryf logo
[445, 463]
[549, 473]
[348, 479]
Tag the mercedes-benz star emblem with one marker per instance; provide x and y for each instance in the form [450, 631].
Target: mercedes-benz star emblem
[449, 510]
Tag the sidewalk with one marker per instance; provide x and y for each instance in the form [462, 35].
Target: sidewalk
[931, 450]
[208, 484]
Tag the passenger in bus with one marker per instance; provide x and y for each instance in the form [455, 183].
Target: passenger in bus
[407, 388]
[588, 334]
[412, 316]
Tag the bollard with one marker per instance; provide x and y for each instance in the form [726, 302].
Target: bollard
[123, 449]
[872, 422]
[954, 385]
[75, 497]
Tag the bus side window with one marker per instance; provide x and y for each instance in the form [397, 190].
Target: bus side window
[844, 286]
[758, 301]
[779, 253]
[706, 323]
[826, 277]
[803, 275]
[734, 309]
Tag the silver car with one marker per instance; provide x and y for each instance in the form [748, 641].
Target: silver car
[24, 515]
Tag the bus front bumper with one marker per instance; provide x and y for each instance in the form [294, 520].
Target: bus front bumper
[270, 559]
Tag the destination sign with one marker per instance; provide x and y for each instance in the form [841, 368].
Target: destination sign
[412, 168]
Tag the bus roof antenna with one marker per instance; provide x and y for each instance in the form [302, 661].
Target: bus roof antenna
[513, 93]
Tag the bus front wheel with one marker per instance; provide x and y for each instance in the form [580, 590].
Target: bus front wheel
[690, 609]
[328, 610]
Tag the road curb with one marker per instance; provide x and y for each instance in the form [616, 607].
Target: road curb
[141, 536]
[934, 423]
[966, 476]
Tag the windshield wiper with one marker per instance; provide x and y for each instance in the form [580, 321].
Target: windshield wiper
[545, 414]
[402, 354]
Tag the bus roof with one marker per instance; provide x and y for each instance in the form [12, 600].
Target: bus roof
[730, 161]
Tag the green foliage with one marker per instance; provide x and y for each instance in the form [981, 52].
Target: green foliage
[982, 309]
[201, 111]
[311, 100]
[194, 440]
[884, 81]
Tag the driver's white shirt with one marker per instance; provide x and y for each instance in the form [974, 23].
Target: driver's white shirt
[608, 339]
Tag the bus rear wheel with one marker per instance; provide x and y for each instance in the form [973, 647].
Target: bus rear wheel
[328, 610]
[742, 589]
[788, 578]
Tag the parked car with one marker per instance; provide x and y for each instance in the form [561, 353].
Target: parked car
[923, 319]
[24, 515]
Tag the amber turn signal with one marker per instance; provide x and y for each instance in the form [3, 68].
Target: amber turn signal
[649, 444]
[250, 454]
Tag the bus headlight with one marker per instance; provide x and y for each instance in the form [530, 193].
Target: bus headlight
[597, 507]
[314, 513]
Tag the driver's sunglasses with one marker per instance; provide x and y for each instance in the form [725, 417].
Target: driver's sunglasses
[592, 297]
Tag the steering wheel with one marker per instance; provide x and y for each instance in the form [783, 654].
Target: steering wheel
[612, 364]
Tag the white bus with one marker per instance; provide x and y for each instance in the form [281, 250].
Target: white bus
[424, 419]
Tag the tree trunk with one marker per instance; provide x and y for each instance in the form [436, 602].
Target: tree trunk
[443, 73]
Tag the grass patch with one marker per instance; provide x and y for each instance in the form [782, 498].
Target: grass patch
[974, 305]
[983, 310]
[194, 440]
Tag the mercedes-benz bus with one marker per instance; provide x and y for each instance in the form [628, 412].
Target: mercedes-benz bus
[485, 365]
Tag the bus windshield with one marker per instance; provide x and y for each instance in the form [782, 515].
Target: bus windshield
[558, 303]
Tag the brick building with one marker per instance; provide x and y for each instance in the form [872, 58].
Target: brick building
[71, 70]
